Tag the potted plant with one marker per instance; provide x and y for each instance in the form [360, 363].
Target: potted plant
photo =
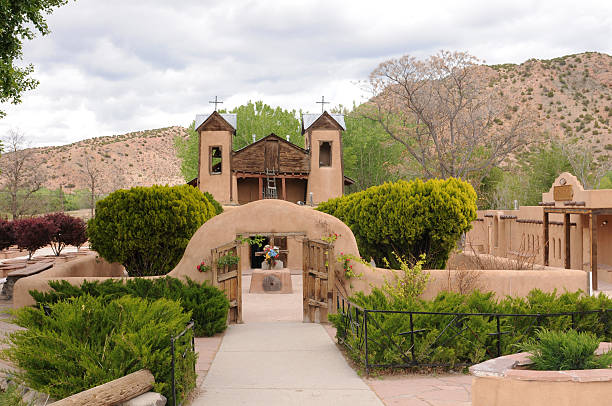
[560, 368]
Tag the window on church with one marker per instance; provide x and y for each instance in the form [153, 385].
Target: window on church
[215, 160]
[325, 154]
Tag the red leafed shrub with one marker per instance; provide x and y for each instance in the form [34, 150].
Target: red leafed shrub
[70, 231]
[34, 233]
[7, 234]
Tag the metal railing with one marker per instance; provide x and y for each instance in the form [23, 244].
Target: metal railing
[173, 343]
[408, 352]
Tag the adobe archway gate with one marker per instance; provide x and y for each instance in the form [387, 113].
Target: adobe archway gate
[271, 217]
[318, 284]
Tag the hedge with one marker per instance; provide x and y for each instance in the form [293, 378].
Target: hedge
[475, 344]
[148, 228]
[207, 304]
[407, 218]
[86, 341]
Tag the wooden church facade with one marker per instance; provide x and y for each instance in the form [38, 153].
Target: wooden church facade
[271, 168]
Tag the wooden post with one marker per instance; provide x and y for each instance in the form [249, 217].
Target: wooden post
[305, 279]
[546, 247]
[113, 392]
[566, 226]
[593, 241]
[260, 188]
[284, 188]
[239, 289]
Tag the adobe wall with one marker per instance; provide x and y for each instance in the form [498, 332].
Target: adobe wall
[216, 184]
[502, 282]
[327, 182]
[514, 233]
[277, 216]
[262, 216]
[90, 268]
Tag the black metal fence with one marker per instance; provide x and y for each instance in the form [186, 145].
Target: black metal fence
[407, 339]
[174, 341]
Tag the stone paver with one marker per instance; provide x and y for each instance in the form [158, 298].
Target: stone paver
[421, 390]
[282, 363]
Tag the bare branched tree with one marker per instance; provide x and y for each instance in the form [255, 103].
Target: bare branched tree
[92, 174]
[445, 116]
[20, 176]
[588, 168]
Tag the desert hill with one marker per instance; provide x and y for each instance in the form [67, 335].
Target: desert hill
[571, 96]
[140, 158]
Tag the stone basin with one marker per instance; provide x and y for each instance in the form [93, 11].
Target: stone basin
[501, 382]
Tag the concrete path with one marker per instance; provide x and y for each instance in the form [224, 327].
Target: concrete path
[282, 363]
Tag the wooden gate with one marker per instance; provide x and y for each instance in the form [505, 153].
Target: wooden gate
[318, 270]
[228, 278]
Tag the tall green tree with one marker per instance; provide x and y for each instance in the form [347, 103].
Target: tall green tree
[20, 20]
[253, 118]
[371, 156]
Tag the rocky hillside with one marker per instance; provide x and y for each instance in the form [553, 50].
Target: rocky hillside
[571, 96]
[141, 158]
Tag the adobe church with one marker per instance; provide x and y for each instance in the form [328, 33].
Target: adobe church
[272, 167]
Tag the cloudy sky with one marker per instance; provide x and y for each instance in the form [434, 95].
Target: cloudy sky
[115, 66]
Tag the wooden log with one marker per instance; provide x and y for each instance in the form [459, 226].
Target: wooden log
[113, 392]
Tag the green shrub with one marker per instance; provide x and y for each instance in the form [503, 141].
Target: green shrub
[565, 350]
[216, 204]
[12, 396]
[86, 341]
[207, 304]
[449, 340]
[147, 228]
[407, 218]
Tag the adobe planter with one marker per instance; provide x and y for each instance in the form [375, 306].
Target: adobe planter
[498, 382]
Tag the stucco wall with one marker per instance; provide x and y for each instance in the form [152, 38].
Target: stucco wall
[219, 184]
[248, 190]
[516, 237]
[277, 216]
[326, 182]
[89, 268]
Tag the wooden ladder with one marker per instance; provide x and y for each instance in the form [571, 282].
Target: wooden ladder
[271, 192]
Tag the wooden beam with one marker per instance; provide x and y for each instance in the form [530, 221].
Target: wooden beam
[260, 187]
[227, 275]
[566, 227]
[546, 238]
[113, 392]
[317, 303]
[241, 175]
[593, 233]
[317, 274]
[284, 187]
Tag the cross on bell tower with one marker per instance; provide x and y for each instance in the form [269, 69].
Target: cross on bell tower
[322, 103]
[215, 102]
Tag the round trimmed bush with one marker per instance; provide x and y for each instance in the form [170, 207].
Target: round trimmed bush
[148, 228]
[408, 218]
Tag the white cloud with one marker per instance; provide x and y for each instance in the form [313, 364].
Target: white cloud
[115, 66]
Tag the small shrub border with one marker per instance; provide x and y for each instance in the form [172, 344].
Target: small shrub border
[565, 350]
[77, 344]
[437, 343]
[208, 305]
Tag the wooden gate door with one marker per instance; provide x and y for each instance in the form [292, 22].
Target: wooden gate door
[228, 278]
[318, 268]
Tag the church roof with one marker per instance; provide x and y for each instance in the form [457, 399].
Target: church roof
[230, 118]
[309, 119]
